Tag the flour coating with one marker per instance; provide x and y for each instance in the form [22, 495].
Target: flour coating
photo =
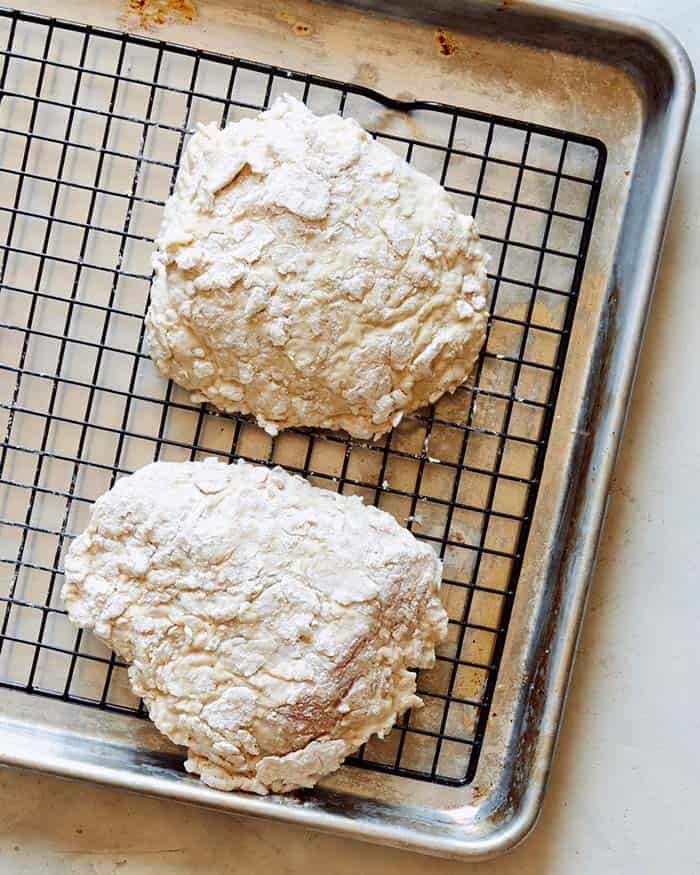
[306, 274]
[269, 624]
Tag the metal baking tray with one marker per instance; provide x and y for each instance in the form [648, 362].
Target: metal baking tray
[561, 129]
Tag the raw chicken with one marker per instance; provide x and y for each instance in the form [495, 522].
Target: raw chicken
[308, 275]
[269, 624]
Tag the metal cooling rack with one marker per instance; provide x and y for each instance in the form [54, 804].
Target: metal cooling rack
[92, 127]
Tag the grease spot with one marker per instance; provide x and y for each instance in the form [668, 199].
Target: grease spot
[300, 28]
[446, 44]
[151, 13]
[367, 74]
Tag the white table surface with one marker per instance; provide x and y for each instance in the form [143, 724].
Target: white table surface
[623, 795]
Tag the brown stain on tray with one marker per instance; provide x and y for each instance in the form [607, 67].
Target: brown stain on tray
[152, 13]
[445, 43]
[298, 27]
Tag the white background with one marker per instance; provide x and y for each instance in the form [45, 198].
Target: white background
[623, 796]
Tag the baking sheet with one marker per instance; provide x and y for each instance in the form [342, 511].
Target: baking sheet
[405, 805]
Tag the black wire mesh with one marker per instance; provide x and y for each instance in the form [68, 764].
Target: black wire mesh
[92, 127]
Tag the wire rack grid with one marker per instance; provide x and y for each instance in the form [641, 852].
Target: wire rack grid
[92, 127]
